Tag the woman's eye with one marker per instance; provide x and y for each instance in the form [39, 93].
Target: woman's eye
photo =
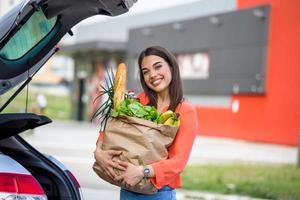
[145, 72]
[157, 66]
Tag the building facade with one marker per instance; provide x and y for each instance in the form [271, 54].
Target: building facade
[264, 109]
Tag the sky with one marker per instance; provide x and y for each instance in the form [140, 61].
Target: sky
[150, 5]
[142, 6]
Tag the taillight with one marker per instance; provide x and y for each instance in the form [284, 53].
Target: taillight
[20, 186]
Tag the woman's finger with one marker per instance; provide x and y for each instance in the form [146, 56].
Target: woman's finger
[112, 172]
[127, 185]
[116, 165]
[120, 166]
[119, 178]
[112, 164]
[114, 153]
[108, 173]
[123, 164]
[124, 183]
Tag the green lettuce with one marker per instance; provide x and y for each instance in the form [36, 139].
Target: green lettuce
[133, 108]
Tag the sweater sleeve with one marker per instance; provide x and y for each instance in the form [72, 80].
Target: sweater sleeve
[100, 137]
[179, 151]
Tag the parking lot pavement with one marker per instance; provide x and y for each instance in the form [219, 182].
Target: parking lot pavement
[225, 150]
[73, 144]
[72, 135]
[90, 194]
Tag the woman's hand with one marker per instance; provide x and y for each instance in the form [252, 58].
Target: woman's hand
[106, 161]
[131, 176]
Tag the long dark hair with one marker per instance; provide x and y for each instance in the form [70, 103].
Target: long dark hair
[175, 87]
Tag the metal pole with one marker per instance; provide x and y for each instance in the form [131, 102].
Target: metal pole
[80, 100]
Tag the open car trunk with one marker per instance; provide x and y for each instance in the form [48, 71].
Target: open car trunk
[30, 32]
[54, 180]
[56, 183]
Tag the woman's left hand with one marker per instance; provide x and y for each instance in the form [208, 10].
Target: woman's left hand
[131, 176]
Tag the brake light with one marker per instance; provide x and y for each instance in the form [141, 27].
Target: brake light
[8, 184]
[20, 186]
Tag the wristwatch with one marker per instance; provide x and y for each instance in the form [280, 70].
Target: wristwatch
[146, 171]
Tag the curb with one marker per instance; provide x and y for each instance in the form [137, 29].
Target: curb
[197, 195]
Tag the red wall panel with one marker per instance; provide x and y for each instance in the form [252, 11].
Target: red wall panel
[275, 117]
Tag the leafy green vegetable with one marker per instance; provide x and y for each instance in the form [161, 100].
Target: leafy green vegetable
[105, 109]
[133, 108]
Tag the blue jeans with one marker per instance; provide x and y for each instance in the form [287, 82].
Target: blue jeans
[166, 193]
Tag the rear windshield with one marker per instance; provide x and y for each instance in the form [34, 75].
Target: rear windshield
[30, 34]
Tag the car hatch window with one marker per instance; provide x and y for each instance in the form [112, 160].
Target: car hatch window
[29, 35]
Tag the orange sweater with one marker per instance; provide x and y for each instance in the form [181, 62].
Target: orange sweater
[167, 172]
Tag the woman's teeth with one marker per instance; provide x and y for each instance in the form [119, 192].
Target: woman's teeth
[156, 82]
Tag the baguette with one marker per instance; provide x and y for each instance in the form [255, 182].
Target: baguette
[119, 84]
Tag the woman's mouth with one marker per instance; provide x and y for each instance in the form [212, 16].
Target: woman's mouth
[156, 82]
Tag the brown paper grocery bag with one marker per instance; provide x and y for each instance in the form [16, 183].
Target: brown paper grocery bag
[142, 142]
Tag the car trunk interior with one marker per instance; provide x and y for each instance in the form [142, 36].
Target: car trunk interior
[53, 180]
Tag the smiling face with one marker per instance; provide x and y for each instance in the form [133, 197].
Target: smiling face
[156, 73]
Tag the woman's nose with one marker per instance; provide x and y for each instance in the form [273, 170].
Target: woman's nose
[152, 74]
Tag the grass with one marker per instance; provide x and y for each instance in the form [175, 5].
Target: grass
[259, 181]
[59, 107]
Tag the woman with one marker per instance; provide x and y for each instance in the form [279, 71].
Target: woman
[160, 79]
